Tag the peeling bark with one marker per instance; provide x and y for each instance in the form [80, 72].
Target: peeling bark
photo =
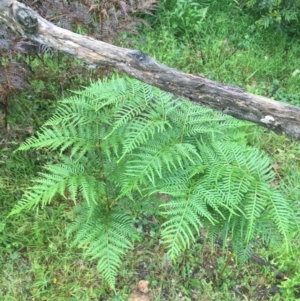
[279, 117]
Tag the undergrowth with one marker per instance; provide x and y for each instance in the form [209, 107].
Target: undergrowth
[226, 48]
[121, 142]
[37, 261]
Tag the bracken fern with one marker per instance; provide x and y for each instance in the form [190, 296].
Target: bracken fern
[121, 142]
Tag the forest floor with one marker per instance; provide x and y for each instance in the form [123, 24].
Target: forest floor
[37, 262]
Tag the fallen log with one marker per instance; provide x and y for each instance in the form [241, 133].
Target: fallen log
[231, 100]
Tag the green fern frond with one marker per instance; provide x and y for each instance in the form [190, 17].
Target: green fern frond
[241, 176]
[72, 176]
[193, 120]
[104, 235]
[176, 182]
[140, 132]
[234, 188]
[143, 107]
[148, 163]
[282, 215]
[186, 212]
[266, 229]
[183, 223]
[244, 252]
[254, 204]
[102, 94]
[82, 139]
[74, 111]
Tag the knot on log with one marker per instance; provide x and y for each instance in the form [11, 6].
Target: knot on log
[27, 19]
[139, 56]
[143, 61]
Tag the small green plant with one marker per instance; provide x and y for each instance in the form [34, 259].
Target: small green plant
[123, 145]
[282, 95]
[185, 17]
[282, 14]
[290, 287]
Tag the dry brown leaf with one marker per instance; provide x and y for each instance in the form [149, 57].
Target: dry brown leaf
[142, 292]
[143, 286]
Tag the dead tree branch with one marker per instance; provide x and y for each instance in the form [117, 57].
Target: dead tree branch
[231, 100]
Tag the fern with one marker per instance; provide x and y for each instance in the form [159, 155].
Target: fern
[122, 141]
[105, 235]
[74, 177]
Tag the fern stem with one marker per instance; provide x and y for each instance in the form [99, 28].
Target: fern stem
[104, 179]
[221, 274]
[184, 124]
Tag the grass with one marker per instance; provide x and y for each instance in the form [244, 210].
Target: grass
[37, 263]
[229, 50]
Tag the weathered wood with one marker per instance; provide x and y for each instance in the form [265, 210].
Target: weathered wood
[230, 100]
